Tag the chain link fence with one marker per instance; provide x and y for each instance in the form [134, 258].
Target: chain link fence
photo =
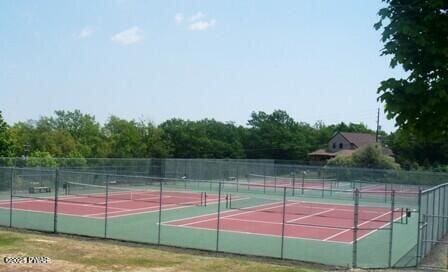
[335, 216]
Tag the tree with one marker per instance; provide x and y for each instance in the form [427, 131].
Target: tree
[415, 35]
[5, 139]
[83, 128]
[278, 136]
[125, 138]
[42, 159]
[414, 152]
[206, 138]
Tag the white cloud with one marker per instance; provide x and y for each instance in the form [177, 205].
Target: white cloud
[128, 36]
[198, 16]
[201, 25]
[178, 18]
[85, 32]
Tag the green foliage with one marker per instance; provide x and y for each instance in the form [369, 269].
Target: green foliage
[414, 152]
[370, 156]
[203, 139]
[42, 159]
[415, 36]
[341, 160]
[278, 136]
[76, 136]
[5, 139]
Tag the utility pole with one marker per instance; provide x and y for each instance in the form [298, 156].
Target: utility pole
[377, 124]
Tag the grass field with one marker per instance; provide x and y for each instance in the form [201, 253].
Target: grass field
[81, 254]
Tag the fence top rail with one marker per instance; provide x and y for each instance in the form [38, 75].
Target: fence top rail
[434, 188]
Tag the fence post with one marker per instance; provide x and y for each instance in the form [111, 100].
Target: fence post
[107, 206]
[355, 229]
[219, 215]
[438, 214]
[13, 176]
[283, 222]
[444, 211]
[56, 193]
[419, 224]
[160, 213]
[425, 239]
[433, 217]
[391, 228]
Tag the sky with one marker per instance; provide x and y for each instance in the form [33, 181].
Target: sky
[156, 60]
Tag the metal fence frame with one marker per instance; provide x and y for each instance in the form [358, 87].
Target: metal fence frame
[432, 219]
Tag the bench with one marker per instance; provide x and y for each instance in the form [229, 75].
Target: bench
[39, 189]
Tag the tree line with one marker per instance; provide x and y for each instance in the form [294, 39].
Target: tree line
[276, 135]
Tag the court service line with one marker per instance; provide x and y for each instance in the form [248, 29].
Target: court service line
[292, 225]
[375, 230]
[310, 215]
[366, 222]
[227, 216]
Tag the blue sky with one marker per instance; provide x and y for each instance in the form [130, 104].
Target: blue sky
[155, 60]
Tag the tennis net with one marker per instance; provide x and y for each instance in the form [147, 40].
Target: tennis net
[98, 194]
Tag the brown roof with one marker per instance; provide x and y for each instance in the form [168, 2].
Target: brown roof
[359, 139]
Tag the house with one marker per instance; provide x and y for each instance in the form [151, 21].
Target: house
[345, 143]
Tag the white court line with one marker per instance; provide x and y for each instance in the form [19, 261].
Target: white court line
[286, 223]
[375, 230]
[366, 222]
[224, 217]
[256, 234]
[310, 215]
[225, 212]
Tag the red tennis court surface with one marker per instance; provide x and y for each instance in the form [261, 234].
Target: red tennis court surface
[381, 189]
[94, 205]
[312, 221]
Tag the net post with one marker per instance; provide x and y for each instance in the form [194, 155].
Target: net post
[13, 176]
[159, 225]
[219, 216]
[107, 206]
[323, 183]
[391, 228]
[264, 184]
[419, 225]
[275, 181]
[355, 228]
[56, 198]
[385, 193]
[283, 223]
[331, 187]
[264, 178]
[293, 183]
[205, 196]
[303, 182]
[237, 173]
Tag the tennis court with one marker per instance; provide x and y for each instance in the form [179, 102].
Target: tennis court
[315, 219]
[304, 220]
[85, 201]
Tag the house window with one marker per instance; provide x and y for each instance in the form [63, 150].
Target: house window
[341, 145]
[334, 145]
